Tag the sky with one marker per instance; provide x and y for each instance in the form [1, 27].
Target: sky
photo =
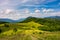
[17, 9]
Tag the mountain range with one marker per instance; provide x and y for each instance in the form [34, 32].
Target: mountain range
[55, 17]
[22, 19]
[10, 20]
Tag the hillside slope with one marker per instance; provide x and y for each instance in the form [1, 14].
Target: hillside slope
[51, 24]
[31, 29]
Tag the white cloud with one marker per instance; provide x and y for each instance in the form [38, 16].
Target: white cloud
[48, 10]
[8, 11]
[37, 11]
[14, 14]
[58, 14]
[24, 13]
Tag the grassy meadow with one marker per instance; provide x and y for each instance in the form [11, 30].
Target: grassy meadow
[31, 29]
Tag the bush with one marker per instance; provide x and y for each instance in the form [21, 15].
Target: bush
[15, 29]
[0, 31]
[6, 25]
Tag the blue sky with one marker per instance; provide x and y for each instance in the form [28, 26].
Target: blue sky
[16, 9]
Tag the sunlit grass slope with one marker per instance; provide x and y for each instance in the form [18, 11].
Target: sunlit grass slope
[27, 31]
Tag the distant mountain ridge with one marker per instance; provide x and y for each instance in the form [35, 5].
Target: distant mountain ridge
[10, 20]
[30, 18]
[55, 17]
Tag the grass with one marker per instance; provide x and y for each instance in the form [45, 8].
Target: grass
[43, 36]
[26, 31]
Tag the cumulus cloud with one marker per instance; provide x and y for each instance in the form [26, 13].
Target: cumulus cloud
[24, 13]
[37, 11]
[48, 10]
[14, 14]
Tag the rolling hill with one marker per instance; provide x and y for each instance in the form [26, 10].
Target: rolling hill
[51, 24]
[30, 28]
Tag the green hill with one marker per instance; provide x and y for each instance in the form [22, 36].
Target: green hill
[31, 29]
[49, 23]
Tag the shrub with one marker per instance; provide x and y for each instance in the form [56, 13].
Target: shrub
[0, 31]
[6, 25]
[15, 29]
